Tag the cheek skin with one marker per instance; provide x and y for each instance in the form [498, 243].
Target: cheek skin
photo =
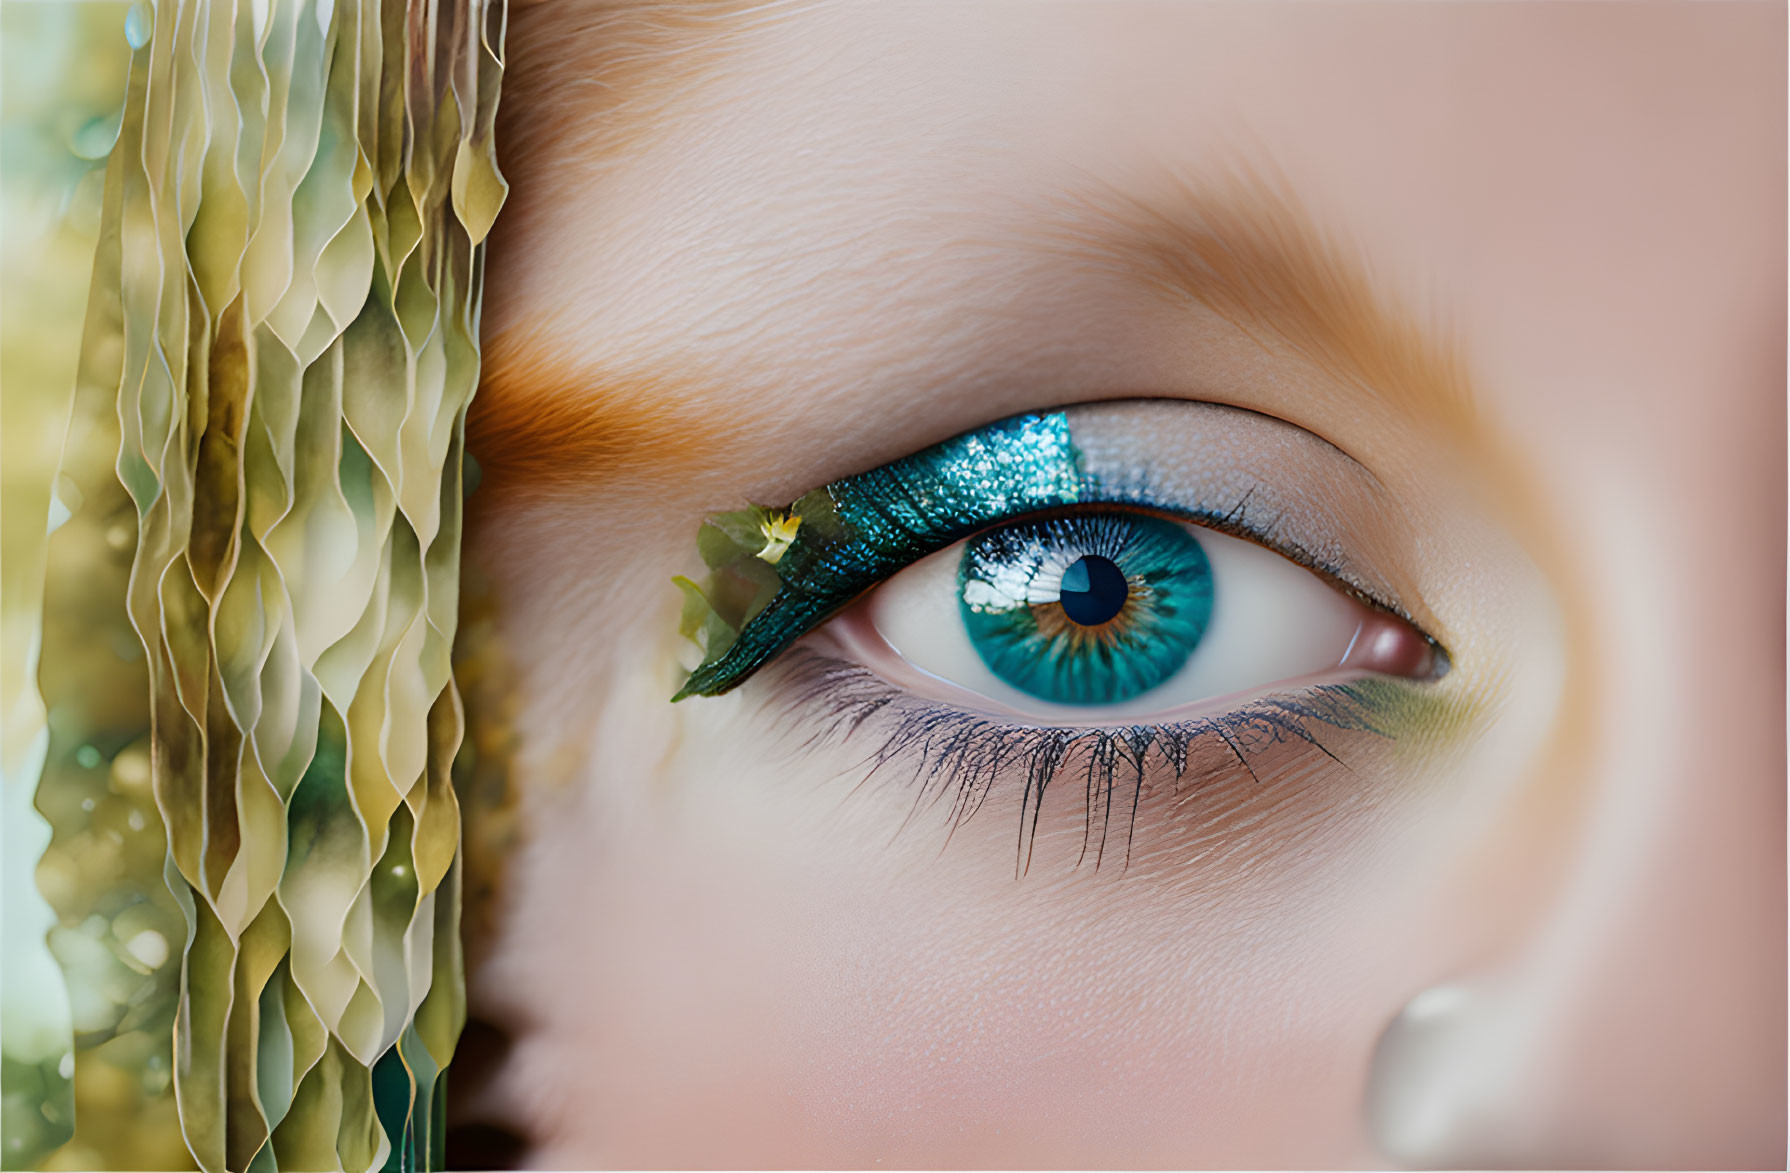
[746, 959]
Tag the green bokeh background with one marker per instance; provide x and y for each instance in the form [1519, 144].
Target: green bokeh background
[242, 261]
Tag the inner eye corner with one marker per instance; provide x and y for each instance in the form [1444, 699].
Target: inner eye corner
[1440, 660]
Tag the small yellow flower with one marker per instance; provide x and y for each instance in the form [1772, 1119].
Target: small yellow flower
[779, 530]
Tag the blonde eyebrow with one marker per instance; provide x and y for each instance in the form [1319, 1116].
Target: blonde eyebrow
[540, 424]
[1245, 247]
[587, 83]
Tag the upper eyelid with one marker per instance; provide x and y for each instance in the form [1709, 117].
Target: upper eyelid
[1039, 469]
[1022, 466]
[1224, 523]
[1235, 524]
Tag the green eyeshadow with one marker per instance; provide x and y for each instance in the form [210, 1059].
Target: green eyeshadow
[775, 573]
[763, 595]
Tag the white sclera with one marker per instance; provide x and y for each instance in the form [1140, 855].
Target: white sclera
[1272, 621]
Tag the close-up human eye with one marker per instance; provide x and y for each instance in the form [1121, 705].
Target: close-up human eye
[1109, 615]
[1131, 603]
[1126, 583]
[1135, 584]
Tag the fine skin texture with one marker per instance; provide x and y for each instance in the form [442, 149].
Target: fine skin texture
[1522, 263]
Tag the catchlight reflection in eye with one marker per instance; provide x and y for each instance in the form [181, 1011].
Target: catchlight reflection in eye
[1092, 609]
[1124, 614]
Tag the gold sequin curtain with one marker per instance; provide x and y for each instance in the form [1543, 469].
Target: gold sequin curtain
[250, 597]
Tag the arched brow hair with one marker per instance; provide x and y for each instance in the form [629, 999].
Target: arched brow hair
[1241, 244]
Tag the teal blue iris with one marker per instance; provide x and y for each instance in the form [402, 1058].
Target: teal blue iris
[1011, 585]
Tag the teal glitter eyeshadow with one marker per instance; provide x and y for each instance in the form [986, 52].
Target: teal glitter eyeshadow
[775, 573]
[859, 530]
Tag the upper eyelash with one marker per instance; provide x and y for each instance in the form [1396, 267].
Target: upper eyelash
[964, 754]
[842, 540]
[832, 560]
[1042, 473]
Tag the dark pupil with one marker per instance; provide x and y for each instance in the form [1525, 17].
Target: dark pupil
[1094, 590]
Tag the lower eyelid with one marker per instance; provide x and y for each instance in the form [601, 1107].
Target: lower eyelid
[956, 760]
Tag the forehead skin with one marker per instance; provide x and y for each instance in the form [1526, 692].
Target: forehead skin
[752, 249]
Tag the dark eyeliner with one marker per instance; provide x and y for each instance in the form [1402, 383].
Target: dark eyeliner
[777, 573]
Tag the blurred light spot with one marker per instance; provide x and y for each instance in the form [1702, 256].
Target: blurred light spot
[149, 947]
[138, 24]
[130, 770]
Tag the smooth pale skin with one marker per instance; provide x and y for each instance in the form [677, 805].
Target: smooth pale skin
[714, 952]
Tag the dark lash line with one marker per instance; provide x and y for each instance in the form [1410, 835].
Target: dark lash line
[889, 524]
[1236, 522]
[965, 753]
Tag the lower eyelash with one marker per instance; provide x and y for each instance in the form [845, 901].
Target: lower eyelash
[965, 754]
